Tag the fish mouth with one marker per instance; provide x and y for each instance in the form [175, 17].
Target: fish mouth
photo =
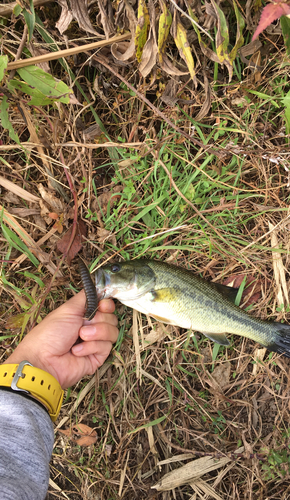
[103, 282]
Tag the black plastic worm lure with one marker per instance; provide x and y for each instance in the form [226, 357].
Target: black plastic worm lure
[90, 290]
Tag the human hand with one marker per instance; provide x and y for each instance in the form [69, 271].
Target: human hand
[50, 345]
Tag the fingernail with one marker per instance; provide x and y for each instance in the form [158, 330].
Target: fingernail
[88, 332]
[77, 348]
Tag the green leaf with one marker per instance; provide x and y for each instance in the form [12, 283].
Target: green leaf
[165, 22]
[29, 17]
[6, 124]
[286, 102]
[215, 351]
[3, 66]
[35, 278]
[150, 424]
[45, 83]
[16, 242]
[285, 25]
[38, 98]
[239, 36]
[17, 10]
[266, 97]
[142, 28]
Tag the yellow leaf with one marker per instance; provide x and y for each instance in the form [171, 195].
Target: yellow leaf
[180, 38]
[142, 28]
[165, 22]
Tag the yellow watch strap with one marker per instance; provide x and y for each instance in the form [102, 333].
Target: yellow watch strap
[39, 384]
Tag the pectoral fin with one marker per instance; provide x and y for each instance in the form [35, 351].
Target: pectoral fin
[164, 295]
[219, 338]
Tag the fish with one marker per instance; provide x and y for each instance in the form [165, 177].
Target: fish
[176, 296]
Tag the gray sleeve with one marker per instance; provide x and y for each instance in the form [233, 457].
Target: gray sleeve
[25, 448]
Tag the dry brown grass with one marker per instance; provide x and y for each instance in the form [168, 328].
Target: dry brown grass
[163, 401]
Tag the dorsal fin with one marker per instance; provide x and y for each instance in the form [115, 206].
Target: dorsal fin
[228, 292]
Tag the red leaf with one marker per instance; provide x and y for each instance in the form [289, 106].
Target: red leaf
[62, 244]
[53, 216]
[270, 13]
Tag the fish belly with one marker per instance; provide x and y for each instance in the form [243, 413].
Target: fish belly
[207, 318]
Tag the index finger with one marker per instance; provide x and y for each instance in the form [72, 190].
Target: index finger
[106, 306]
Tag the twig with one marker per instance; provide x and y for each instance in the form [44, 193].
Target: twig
[66, 52]
[19, 51]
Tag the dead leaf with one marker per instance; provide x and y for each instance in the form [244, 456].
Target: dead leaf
[186, 473]
[62, 244]
[130, 50]
[150, 50]
[82, 434]
[200, 486]
[65, 19]
[36, 51]
[104, 235]
[78, 11]
[44, 212]
[19, 191]
[92, 132]
[23, 212]
[207, 102]
[169, 68]
[49, 198]
[11, 198]
[109, 197]
[221, 374]
[105, 18]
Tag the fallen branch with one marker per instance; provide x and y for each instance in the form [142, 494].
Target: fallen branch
[66, 52]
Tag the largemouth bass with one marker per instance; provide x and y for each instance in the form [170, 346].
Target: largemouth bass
[176, 296]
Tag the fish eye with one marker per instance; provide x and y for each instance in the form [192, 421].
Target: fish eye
[115, 268]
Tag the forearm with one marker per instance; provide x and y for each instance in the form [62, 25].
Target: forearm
[25, 448]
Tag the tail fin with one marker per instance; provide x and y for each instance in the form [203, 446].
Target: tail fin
[281, 342]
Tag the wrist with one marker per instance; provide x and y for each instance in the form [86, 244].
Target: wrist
[28, 380]
[21, 354]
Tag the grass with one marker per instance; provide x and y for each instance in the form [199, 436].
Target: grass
[175, 202]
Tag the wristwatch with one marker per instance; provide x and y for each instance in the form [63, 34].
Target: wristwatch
[35, 383]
